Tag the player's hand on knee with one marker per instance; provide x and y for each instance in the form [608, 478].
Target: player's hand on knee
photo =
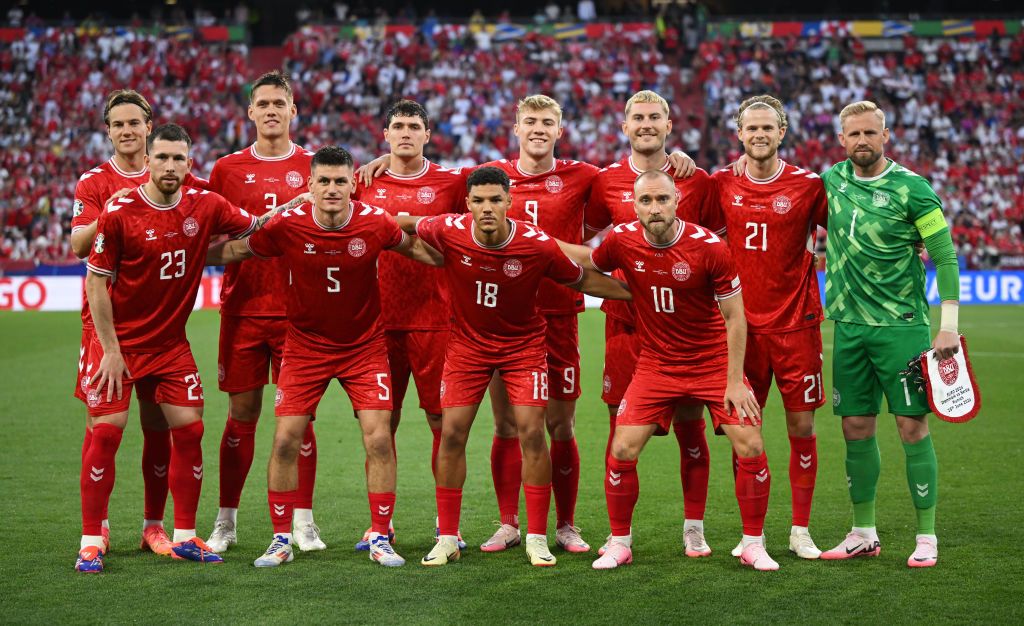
[946, 344]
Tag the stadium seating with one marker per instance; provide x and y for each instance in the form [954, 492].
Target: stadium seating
[955, 105]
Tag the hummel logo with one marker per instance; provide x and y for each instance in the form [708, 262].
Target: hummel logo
[762, 475]
[922, 490]
[842, 188]
[310, 249]
[694, 452]
[150, 234]
[805, 461]
[565, 471]
[197, 472]
[466, 260]
[737, 200]
[614, 479]
[250, 179]
[639, 266]
[97, 473]
[383, 510]
[234, 441]
[279, 510]
[306, 449]
[160, 471]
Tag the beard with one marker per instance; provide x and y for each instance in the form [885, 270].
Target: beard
[657, 227]
[866, 159]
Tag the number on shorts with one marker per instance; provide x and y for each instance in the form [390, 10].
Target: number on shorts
[540, 385]
[487, 294]
[385, 393]
[177, 259]
[814, 382]
[193, 385]
[333, 286]
[663, 300]
[754, 228]
[906, 390]
[531, 211]
[569, 376]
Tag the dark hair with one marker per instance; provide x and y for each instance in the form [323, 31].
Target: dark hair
[488, 176]
[271, 79]
[168, 132]
[407, 108]
[331, 155]
[126, 96]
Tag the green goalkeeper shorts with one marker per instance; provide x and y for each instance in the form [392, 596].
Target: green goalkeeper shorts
[867, 361]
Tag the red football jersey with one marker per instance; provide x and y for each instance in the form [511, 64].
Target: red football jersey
[771, 225]
[258, 184]
[95, 187]
[413, 295]
[676, 289]
[155, 255]
[333, 299]
[494, 289]
[554, 202]
[611, 203]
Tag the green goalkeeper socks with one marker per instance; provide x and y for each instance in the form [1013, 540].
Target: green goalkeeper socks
[923, 479]
[863, 466]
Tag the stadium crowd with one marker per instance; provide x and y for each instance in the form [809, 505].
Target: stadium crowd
[955, 106]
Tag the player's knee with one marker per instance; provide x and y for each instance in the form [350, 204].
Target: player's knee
[378, 446]
[286, 447]
[800, 423]
[624, 451]
[912, 429]
[246, 406]
[505, 428]
[748, 447]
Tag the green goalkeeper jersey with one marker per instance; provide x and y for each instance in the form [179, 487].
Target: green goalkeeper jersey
[873, 273]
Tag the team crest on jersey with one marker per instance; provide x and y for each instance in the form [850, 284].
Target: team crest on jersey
[425, 195]
[627, 196]
[512, 268]
[78, 208]
[880, 199]
[190, 226]
[781, 204]
[357, 247]
[681, 271]
[98, 245]
[554, 184]
[949, 371]
[279, 397]
[294, 179]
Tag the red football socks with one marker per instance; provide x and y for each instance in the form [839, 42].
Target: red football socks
[156, 460]
[186, 472]
[694, 465]
[307, 469]
[237, 447]
[803, 469]
[507, 474]
[753, 484]
[97, 476]
[538, 504]
[282, 508]
[449, 508]
[382, 507]
[565, 479]
[621, 490]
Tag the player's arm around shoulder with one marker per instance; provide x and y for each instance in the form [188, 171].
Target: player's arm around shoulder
[414, 247]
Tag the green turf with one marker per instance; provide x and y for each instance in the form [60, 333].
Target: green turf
[977, 579]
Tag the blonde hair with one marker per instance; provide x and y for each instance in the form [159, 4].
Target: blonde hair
[646, 96]
[539, 102]
[762, 102]
[864, 106]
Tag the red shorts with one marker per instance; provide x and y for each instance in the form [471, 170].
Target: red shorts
[468, 371]
[306, 373]
[794, 359]
[85, 365]
[621, 350]
[419, 353]
[249, 346]
[563, 346]
[655, 392]
[167, 377]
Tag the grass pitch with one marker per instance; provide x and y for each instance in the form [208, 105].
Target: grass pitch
[977, 579]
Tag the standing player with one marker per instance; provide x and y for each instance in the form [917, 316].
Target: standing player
[129, 119]
[772, 212]
[647, 126]
[414, 300]
[331, 250]
[142, 283]
[879, 212]
[270, 172]
[494, 267]
[684, 284]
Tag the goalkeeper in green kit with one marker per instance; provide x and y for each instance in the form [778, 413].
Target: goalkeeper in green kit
[879, 212]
